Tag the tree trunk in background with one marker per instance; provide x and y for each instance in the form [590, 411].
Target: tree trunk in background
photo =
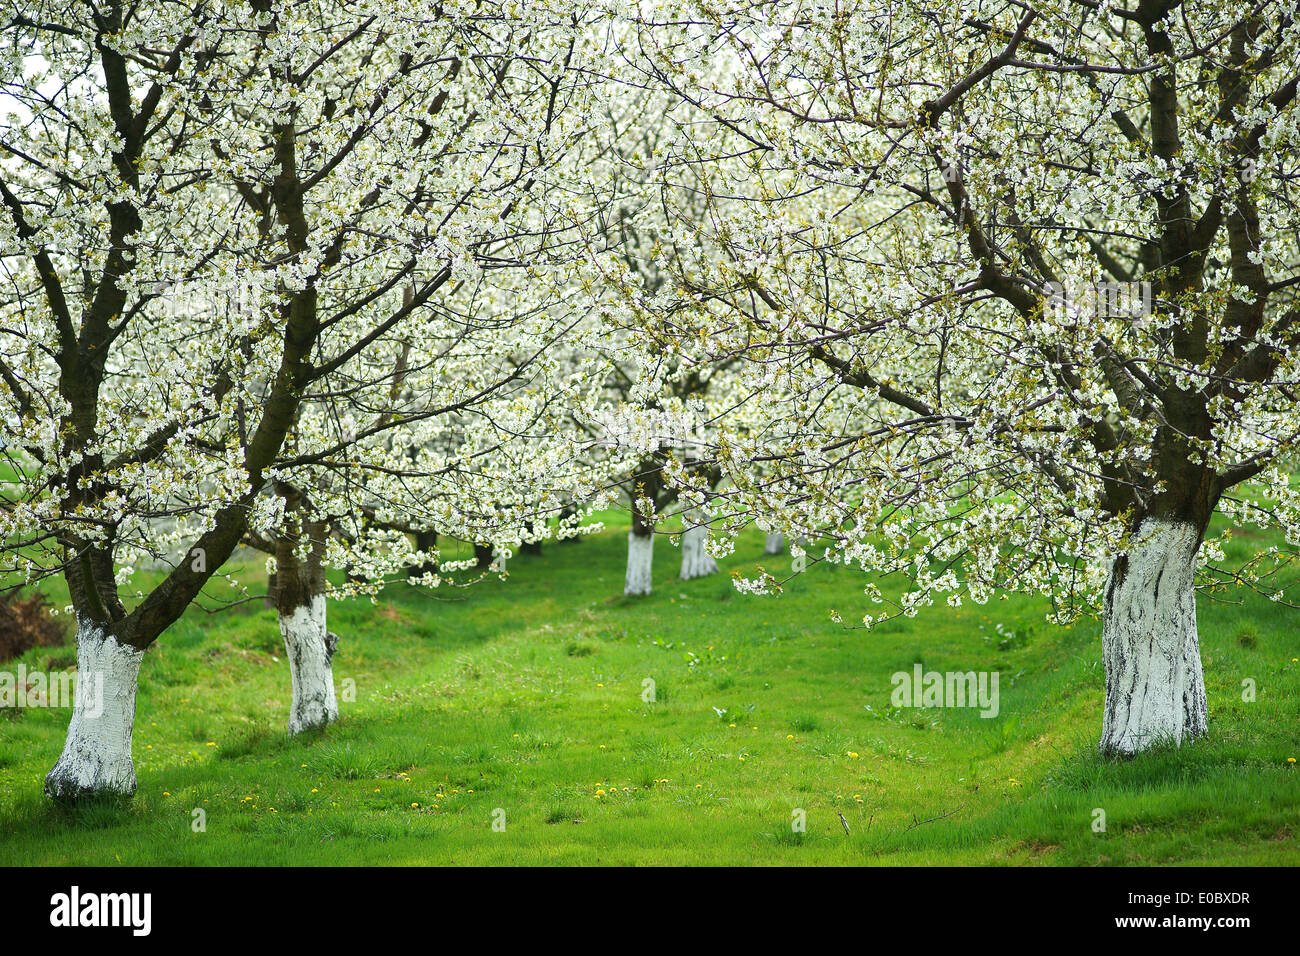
[774, 543]
[568, 512]
[96, 756]
[483, 555]
[531, 547]
[640, 558]
[269, 600]
[1155, 690]
[309, 646]
[424, 541]
[696, 561]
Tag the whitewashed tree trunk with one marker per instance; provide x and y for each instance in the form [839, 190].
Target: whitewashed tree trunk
[774, 544]
[96, 756]
[300, 593]
[640, 557]
[696, 561]
[1155, 690]
[310, 648]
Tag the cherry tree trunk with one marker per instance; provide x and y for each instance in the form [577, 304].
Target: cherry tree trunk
[696, 561]
[1155, 690]
[424, 541]
[96, 756]
[640, 557]
[307, 643]
[310, 648]
[568, 511]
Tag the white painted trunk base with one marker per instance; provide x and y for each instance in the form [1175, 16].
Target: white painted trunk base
[774, 544]
[96, 757]
[1155, 690]
[310, 648]
[640, 557]
[696, 562]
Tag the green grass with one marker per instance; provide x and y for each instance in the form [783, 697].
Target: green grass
[526, 696]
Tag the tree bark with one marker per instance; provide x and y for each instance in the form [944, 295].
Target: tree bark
[96, 756]
[1155, 689]
[696, 561]
[424, 541]
[774, 543]
[640, 558]
[308, 645]
[568, 511]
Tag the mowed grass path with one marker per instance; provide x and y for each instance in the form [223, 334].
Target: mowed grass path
[525, 698]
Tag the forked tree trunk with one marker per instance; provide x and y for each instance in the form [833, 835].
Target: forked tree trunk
[774, 543]
[696, 561]
[96, 756]
[640, 558]
[307, 643]
[1155, 690]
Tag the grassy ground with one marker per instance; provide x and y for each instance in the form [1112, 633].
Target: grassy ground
[523, 701]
